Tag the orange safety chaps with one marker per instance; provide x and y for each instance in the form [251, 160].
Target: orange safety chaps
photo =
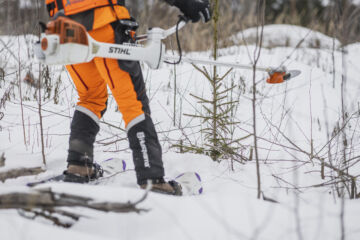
[126, 84]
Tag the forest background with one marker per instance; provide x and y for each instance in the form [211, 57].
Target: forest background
[331, 17]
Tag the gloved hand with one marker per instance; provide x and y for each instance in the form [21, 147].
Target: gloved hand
[193, 9]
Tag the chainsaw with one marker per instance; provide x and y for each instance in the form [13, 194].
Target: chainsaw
[66, 42]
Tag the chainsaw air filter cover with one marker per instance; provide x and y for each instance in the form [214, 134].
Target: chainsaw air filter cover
[64, 42]
[68, 30]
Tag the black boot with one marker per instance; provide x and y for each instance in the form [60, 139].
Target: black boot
[159, 185]
[83, 174]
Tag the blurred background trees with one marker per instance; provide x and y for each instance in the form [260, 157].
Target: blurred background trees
[332, 17]
[21, 16]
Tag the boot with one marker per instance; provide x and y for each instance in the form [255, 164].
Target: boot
[83, 174]
[161, 186]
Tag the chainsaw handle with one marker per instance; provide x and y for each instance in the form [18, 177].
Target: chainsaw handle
[166, 33]
[172, 30]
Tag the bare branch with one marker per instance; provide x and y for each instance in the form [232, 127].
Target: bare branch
[20, 172]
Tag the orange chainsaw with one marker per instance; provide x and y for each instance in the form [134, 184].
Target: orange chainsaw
[65, 42]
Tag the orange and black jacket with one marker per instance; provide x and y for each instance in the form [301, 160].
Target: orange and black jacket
[92, 14]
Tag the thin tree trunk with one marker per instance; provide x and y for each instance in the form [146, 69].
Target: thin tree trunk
[342, 218]
[255, 136]
[214, 80]
[20, 92]
[175, 86]
[40, 119]
[40, 113]
[260, 20]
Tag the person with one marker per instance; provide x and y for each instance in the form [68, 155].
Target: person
[102, 20]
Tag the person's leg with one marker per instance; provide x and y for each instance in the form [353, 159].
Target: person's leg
[130, 95]
[126, 83]
[91, 106]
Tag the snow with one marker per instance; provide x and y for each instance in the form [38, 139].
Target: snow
[289, 36]
[307, 107]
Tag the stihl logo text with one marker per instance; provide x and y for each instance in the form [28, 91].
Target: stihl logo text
[119, 50]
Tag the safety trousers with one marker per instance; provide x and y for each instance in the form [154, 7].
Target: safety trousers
[125, 80]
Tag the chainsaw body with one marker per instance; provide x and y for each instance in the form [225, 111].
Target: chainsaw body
[67, 42]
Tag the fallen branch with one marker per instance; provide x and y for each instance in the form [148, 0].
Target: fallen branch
[20, 172]
[60, 218]
[46, 199]
[45, 203]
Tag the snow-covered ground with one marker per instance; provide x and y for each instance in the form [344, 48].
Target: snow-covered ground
[289, 36]
[306, 110]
